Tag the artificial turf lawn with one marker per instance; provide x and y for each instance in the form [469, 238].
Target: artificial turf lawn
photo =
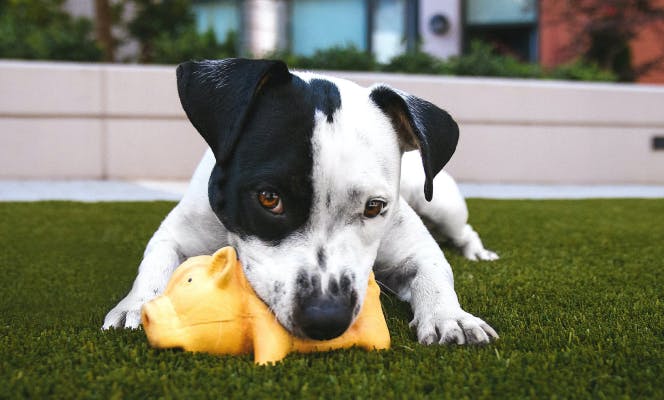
[577, 298]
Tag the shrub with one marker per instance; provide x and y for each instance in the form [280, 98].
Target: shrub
[482, 60]
[166, 31]
[42, 30]
[191, 45]
[417, 62]
[347, 58]
[158, 20]
[582, 71]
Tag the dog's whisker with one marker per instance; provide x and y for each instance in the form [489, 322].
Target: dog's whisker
[384, 288]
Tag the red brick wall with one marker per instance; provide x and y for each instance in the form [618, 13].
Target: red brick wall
[557, 34]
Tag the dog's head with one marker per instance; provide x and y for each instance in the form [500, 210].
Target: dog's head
[307, 178]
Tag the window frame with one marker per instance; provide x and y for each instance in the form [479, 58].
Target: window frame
[534, 39]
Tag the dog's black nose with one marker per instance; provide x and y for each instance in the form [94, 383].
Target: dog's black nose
[323, 318]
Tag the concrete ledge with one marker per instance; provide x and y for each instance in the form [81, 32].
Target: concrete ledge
[116, 190]
[556, 155]
[529, 101]
[99, 121]
[152, 149]
[142, 91]
[54, 148]
[39, 89]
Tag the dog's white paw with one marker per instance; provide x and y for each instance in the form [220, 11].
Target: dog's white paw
[458, 327]
[479, 254]
[127, 314]
[470, 245]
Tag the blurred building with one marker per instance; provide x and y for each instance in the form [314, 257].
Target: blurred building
[384, 27]
[542, 31]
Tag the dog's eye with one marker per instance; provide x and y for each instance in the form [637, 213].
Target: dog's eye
[373, 208]
[271, 201]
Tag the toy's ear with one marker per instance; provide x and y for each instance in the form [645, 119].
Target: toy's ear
[420, 125]
[222, 267]
[217, 96]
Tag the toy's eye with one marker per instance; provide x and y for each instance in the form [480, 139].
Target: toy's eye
[189, 280]
[271, 201]
[373, 208]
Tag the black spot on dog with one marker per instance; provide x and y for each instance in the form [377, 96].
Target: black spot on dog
[396, 278]
[302, 282]
[333, 287]
[326, 97]
[307, 285]
[281, 117]
[345, 283]
[328, 200]
[315, 283]
[321, 258]
[353, 195]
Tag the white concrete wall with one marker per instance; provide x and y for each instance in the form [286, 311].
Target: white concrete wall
[62, 120]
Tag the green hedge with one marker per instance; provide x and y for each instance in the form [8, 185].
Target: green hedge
[481, 60]
[41, 30]
[190, 45]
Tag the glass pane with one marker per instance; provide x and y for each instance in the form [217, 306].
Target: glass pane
[320, 24]
[221, 15]
[501, 11]
[389, 29]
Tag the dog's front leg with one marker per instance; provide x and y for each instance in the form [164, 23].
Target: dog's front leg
[411, 264]
[160, 259]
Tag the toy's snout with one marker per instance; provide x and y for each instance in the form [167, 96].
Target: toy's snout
[161, 323]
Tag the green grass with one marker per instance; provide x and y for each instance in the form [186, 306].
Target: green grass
[578, 299]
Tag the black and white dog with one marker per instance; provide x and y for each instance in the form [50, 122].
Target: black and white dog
[305, 178]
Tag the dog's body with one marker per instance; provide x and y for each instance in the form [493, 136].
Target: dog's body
[303, 178]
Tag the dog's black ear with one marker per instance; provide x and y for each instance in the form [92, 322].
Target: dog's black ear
[420, 125]
[217, 96]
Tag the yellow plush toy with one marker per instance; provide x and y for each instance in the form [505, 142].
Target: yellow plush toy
[209, 306]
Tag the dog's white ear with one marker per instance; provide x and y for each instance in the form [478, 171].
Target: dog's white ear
[217, 96]
[420, 125]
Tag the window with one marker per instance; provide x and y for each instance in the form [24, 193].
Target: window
[320, 24]
[388, 36]
[222, 16]
[385, 27]
[509, 25]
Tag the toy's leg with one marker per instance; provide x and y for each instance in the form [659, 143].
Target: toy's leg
[446, 212]
[191, 229]
[271, 341]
